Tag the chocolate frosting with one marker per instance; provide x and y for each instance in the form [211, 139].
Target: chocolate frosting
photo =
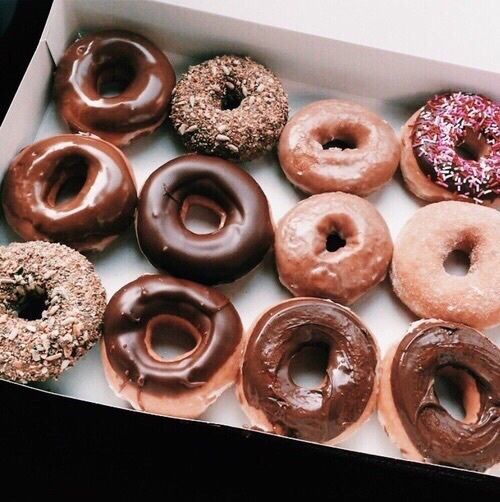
[103, 207]
[110, 56]
[239, 244]
[322, 413]
[158, 302]
[439, 437]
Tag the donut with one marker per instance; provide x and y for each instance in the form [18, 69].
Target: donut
[51, 308]
[418, 274]
[229, 106]
[184, 386]
[338, 146]
[245, 231]
[344, 400]
[89, 220]
[410, 410]
[114, 84]
[451, 149]
[332, 245]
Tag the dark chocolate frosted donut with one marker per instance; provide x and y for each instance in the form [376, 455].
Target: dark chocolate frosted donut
[245, 231]
[143, 76]
[184, 386]
[411, 412]
[229, 106]
[345, 399]
[89, 220]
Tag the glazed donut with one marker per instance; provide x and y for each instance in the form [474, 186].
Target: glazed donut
[229, 106]
[347, 395]
[451, 149]
[245, 231]
[332, 245]
[51, 308]
[420, 279]
[409, 408]
[88, 221]
[95, 62]
[338, 146]
[184, 386]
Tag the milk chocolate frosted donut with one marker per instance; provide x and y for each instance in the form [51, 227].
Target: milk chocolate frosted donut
[346, 397]
[140, 72]
[418, 274]
[89, 220]
[245, 230]
[229, 106]
[411, 412]
[451, 149]
[332, 245]
[51, 308]
[184, 386]
[333, 145]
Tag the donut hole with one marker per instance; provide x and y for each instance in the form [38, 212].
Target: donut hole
[31, 306]
[201, 215]
[114, 78]
[171, 337]
[457, 392]
[341, 143]
[308, 366]
[67, 180]
[457, 262]
[231, 99]
[334, 242]
[473, 147]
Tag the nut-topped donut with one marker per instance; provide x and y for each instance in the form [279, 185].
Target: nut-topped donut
[411, 412]
[140, 73]
[338, 146]
[332, 245]
[51, 308]
[245, 231]
[451, 149]
[89, 220]
[341, 403]
[184, 386]
[229, 106]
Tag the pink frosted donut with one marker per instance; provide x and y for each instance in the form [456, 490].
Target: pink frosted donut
[410, 410]
[451, 149]
[334, 145]
[332, 245]
[418, 274]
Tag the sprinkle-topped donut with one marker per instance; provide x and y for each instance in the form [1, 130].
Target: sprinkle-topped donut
[455, 141]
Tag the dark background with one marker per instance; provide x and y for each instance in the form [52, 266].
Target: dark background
[72, 448]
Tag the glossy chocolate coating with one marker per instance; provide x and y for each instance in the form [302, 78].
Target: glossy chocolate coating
[103, 207]
[322, 413]
[438, 436]
[154, 302]
[108, 56]
[245, 233]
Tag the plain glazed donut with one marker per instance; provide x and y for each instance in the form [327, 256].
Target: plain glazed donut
[229, 106]
[418, 274]
[51, 308]
[245, 231]
[332, 245]
[184, 386]
[95, 61]
[451, 149]
[410, 411]
[344, 400]
[88, 221]
[338, 146]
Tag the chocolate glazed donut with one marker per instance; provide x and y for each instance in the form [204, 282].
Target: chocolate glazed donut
[184, 386]
[94, 62]
[245, 230]
[411, 412]
[88, 221]
[346, 397]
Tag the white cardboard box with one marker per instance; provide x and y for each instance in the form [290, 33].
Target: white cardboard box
[312, 68]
